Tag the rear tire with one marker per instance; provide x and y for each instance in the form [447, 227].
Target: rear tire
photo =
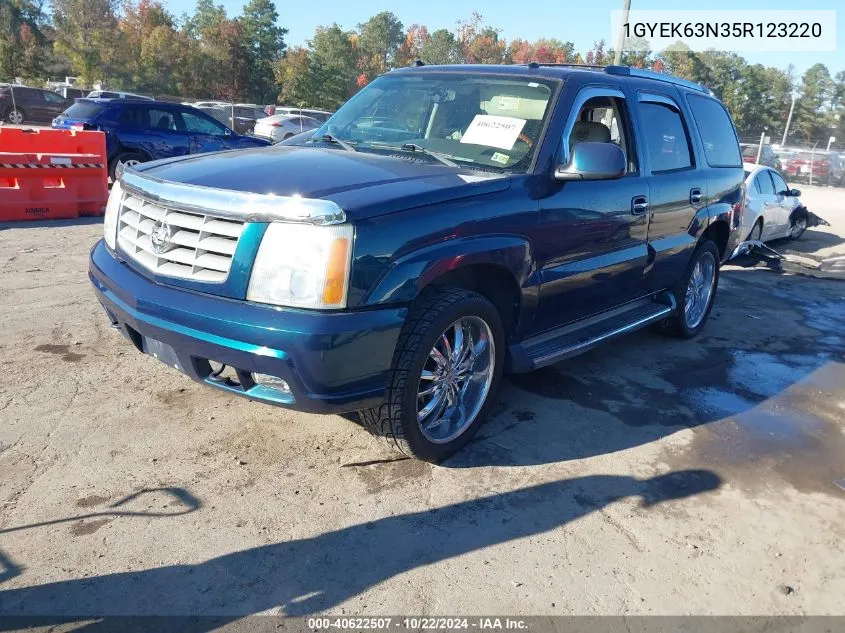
[435, 402]
[695, 292]
[15, 116]
[798, 225]
[756, 231]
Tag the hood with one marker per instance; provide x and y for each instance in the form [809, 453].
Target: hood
[362, 184]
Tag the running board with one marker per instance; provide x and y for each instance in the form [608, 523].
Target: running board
[576, 338]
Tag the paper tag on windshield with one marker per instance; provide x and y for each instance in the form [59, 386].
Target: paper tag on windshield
[495, 131]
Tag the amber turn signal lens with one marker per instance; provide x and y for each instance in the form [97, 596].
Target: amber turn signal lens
[336, 277]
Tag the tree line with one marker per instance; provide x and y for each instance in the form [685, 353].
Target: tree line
[139, 45]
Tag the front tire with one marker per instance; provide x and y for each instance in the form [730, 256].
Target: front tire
[695, 292]
[446, 369]
[798, 226]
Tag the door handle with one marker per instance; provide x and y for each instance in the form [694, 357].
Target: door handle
[639, 205]
[695, 196]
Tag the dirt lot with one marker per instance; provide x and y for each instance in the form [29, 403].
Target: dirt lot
[650, 476]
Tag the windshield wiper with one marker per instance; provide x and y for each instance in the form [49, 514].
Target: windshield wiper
[328, 138]
[413, 147]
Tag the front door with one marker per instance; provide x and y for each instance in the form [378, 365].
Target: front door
[591, 242]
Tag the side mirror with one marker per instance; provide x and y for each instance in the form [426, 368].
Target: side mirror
[794, 193]
[593, 161]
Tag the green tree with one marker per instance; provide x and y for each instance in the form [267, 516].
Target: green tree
[86, 33]
[441, 48]
[814, 118]
[333, 64]
[266, 43]
[379, 40]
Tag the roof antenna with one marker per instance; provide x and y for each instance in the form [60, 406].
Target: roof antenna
[418, 62]
[533, 65]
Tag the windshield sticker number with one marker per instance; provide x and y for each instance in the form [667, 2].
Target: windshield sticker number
[500, 158]
[494, 131]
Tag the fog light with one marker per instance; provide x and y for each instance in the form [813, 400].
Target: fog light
[274, 382]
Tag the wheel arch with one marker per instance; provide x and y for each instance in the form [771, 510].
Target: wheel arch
[499, 268]
[719, 231]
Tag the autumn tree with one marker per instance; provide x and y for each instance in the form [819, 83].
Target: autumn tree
[23, 44]
[480, 43]
[294, 75]
[87, 34]
[416, 38]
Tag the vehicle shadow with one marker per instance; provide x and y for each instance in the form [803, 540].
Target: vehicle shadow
[41, 224]
[645, 386]
[809, 244]
[314, 574]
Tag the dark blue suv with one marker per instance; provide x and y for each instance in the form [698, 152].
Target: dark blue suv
[446, 225]
[140, 131]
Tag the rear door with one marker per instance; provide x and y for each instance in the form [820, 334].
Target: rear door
[677, 189]
[590, 242]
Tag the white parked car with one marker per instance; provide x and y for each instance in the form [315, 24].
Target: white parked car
[772, 209]
[280, 127]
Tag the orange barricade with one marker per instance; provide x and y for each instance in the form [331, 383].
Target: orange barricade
[52, 174]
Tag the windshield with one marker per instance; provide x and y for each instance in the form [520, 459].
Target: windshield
[481, 121]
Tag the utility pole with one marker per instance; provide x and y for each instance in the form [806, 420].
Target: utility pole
[620, 41]
[788, 121]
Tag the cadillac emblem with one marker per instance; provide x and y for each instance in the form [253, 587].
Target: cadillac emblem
[160, 237]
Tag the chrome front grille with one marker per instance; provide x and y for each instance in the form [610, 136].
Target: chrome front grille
[175, 242]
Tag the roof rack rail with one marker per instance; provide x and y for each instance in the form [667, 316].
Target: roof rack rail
[564, 65]
[650, 74]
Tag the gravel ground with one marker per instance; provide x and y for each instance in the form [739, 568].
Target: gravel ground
[651, 476]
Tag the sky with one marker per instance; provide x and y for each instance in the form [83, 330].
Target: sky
[579, 21]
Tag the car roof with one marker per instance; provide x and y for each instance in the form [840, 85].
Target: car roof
[612, 74]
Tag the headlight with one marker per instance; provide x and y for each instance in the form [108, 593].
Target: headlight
[110, 220]
[302, 265]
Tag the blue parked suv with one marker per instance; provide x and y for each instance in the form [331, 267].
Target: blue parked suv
[446, 225]
[140, 131]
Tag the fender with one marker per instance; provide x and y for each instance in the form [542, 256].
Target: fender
[408, 275]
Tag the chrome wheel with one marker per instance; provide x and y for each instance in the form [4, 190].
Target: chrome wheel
[455, 379]
[699, 290]
[15, 117]
[798, 228]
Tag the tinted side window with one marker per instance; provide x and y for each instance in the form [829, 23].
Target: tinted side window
[764, 184]
[132, 117]
[780, 183]
[717, 132]
[666, 139]
[52, 97]
[198, 124]
[161, 120]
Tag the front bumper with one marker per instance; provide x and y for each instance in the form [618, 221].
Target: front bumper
[333, 362]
